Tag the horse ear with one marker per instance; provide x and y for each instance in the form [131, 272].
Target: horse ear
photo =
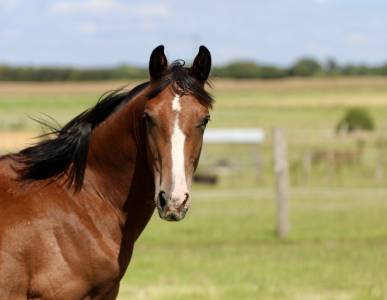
[158, 63]
[202, 65]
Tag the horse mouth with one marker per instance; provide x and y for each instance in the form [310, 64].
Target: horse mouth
[172, 215]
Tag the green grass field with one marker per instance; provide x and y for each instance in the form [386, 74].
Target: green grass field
[293, 103]
[226, 248]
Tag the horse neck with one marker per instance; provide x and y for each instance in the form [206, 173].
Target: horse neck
[117, 155]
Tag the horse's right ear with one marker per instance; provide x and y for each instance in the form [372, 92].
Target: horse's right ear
[157, 63]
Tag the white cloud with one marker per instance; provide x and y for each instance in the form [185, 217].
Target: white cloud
[9, 4]
[87, 6]
[152, 10]
[143, 11]
[321, 1]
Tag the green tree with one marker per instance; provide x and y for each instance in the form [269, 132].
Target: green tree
[247, 69]
[305, 67]
[332, 67]
[355, 119]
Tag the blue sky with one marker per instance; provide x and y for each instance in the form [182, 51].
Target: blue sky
[110, 32]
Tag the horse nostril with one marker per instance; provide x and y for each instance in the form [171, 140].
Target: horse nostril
[162, 201]
[185, 199]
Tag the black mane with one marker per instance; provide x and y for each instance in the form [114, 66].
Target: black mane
[67, 149]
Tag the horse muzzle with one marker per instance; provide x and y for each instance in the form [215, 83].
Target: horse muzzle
[172, 207]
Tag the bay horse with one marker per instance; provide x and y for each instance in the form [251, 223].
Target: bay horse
[73, 204]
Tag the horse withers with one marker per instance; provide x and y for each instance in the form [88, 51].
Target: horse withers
[73, 205]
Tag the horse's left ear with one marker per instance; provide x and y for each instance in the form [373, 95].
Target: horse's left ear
[202, 65]
[158, 63]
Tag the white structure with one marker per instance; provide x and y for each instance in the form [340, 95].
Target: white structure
[234, 136]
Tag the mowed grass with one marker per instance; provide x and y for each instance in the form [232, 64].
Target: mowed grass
[227, 248]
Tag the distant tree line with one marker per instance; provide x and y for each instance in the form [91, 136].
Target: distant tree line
[304, 67]
[11, 73]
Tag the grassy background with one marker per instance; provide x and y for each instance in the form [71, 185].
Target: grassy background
[314, 104]
[226, 248]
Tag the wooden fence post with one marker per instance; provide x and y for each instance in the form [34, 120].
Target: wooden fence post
[307, 166]
[282, 181]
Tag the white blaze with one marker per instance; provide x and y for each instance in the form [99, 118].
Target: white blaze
[179, 184]
[176, 105]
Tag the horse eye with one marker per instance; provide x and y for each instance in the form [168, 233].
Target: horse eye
[204, 123]
[148, 119]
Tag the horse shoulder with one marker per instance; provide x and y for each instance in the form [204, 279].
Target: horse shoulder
[56, 237]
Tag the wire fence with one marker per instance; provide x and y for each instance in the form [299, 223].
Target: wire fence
[316, 158]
